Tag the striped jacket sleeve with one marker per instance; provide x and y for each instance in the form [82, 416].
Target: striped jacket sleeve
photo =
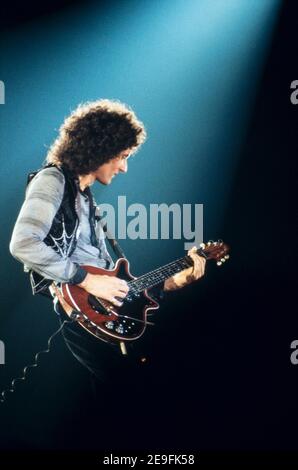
[43, 198]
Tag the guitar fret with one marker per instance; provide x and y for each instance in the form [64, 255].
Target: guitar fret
[161, 274]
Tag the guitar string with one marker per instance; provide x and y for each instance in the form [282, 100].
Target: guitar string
[135, 291]
[157, 275]
[184, 262]
[164, 269]
[159, 272]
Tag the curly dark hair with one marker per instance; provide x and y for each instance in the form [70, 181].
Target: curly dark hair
[94, 133]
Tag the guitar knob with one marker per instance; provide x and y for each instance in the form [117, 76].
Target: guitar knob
[202, 245]
[219, 263]
[120, 329]
[227, 256]
[223, 260]
[109, 325]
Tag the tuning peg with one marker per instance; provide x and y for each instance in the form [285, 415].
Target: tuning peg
[219, 263]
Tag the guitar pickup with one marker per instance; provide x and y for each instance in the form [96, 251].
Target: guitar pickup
[98, 305]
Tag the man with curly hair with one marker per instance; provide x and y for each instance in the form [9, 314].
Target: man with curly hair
[56, 232]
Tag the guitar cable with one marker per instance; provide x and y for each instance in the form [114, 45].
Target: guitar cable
[36, 359]
[73, 318]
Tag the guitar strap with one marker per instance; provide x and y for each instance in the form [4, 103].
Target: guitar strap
[112, 240]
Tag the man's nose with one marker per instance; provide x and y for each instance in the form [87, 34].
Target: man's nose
[123, 166]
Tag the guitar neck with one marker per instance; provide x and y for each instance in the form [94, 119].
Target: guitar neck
[153, 278]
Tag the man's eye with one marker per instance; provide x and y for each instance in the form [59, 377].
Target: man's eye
[124, 157]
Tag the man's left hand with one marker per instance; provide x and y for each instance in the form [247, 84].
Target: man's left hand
[189, 275]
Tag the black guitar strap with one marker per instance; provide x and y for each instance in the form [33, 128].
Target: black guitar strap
[112, 241]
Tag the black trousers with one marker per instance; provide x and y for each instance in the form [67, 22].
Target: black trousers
[119, 394]
[110, 369]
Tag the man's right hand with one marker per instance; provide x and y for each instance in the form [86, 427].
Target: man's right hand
[105, 287]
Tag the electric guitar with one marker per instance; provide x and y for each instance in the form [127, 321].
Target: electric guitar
[128, 322]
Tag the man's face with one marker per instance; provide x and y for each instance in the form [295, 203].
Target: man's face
[106, 172]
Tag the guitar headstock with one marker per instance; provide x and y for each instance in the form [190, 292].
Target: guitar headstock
[215, 250]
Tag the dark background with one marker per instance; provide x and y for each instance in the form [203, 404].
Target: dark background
[222, 376]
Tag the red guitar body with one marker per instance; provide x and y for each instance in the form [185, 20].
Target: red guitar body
[128, 322]
[103, 319]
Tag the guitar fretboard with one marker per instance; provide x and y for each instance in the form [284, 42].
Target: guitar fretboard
[153, 278]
